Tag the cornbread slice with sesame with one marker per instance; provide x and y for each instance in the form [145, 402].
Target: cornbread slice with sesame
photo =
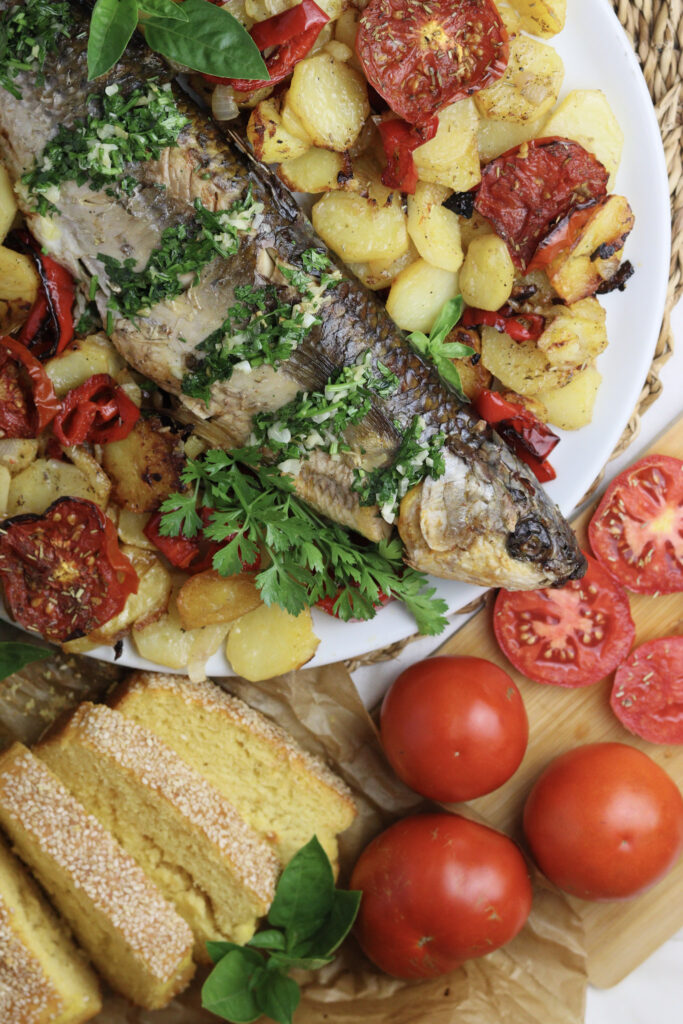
[43, 978]
[284, 793]
[188, 838]
[133, 936]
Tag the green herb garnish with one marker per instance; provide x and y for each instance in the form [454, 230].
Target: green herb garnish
[309, 919]
[27, 34]
[96, 149]
[184, 249]
[310, 557]
[414, 460]
[437, 350]
[13, 657]
[196, 33]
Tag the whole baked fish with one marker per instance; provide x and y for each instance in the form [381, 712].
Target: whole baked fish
[484, 519]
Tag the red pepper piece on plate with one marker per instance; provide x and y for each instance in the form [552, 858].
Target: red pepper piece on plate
[98, 411]
[519, 326]
[50, 325]
[63, 572]
[530, 438]
[193, 554]
[292, 33]
[399, 140]
[26, 406]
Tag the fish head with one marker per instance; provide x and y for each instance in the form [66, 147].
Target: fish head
[488, 528]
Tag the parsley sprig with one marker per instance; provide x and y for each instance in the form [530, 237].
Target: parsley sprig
[27, 34]
[437, 350]
[310, 557]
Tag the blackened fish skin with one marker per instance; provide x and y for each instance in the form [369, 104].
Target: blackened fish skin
[485, 521]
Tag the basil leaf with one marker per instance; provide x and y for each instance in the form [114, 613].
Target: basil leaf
[303, 963]
[270, 939]
[211, 41]
[448, 317]
[304, 895]
[278, 996]
[111, 26]
[14, 656]
[229, 990]
[449, 373]
[163, 9]
[334, 930]
[452, 349]
[217, 950]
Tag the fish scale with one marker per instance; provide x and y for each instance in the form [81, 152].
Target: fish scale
[485, 521]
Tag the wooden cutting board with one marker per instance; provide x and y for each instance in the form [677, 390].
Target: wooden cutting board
[619, 936]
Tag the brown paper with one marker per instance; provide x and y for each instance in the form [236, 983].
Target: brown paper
[539, 978]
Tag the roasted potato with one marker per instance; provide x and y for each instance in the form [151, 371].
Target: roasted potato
[130, 527]
[377, 274]
[209, 598]
[473, 374]
[317, 170]
[18, 277]
[434, 229]
[144, 467]
[418, 293]
[80, 360]
[346, 29]
[585, 116]
[330, 98]
[271, 141]
[571, 407]
[8, 203]
[529, 86]
[521, 365]
[13, 314]
[359, 228]
[5, 481]
[43, 481]
[451, 158]
[543, 18]
[496, 137]
[269, 641]
[574, 334]
[17, 453]
[488, 273]
[510, 16]
[259, 10]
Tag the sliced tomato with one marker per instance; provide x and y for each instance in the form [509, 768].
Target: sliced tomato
[637, 529]
[27, 397]
[422, 56]
[647, 696]
[574, 635]
[63, 572]
[524, 191]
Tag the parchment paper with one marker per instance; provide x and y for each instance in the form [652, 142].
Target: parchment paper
[539, 978]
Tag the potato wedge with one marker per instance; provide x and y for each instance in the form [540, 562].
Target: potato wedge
[5, 481]
[271, 141]
[543, 18]
[18, 277]
[520, 365]
[452, 158]
[145, 467]
[291, 122]
[359, 228]
[496, 137]
[576, 334]
[330, 99]
[269, 642]
[434, 229]
[473, 374]
[13, 314]
[488, 273]
[16, 454]
[376, 274]
[209, 598]
[147, 605]
[130, 527]
[317, 170]
[8, 203]
[529, 86]
[80, 360]
[585, 116]
[346, 29]
[571, 407]
[418, 293]
[43, 481]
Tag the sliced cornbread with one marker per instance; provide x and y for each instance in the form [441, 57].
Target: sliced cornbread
[133, 936]
[286, 794]
[43, 978]
[204, 857]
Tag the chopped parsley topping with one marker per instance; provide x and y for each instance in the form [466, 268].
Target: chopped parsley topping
[27, 34]
[261, 327]
[96, 149]
[414, 460]
[309, 557]
[184, 249]
[317, 419]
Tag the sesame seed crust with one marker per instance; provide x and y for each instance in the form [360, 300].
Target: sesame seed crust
[213, 698]
[158, 768]
[94, 861]
[27, 996]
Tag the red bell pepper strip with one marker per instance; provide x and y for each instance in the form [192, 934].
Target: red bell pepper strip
[292, 33]
[42, 391]
[98, 411]
[399, 140]
[530, 438]
[519, 326]
[193, 554]
[50, 326]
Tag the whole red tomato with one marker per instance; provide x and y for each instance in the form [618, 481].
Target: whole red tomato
[604, 822]
[454, 728]
[437, 890]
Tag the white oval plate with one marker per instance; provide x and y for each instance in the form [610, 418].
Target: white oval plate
[597, 54]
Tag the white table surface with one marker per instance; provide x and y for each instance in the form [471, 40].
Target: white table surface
[653, 993]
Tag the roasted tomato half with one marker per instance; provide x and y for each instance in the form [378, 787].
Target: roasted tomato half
[62, 572]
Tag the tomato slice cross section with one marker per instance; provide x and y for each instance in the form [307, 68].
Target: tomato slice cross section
[637, 529]
[647, 696]
[571, 636]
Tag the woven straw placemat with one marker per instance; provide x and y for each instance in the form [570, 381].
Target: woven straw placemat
[656, 31]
